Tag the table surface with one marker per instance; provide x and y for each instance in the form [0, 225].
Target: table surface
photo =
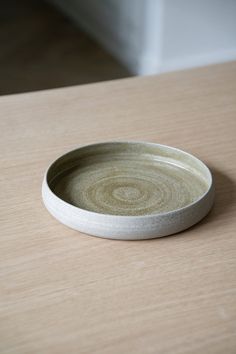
[66, 292]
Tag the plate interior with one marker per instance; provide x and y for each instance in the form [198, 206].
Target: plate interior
[129, 182]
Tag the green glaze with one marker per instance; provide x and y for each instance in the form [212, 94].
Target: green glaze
[128, 179]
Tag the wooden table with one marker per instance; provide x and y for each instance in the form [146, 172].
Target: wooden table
[65, 292]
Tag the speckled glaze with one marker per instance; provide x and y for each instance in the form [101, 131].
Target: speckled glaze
[128, 190]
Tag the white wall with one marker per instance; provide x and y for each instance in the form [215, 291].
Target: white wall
[114, 23]
[153, 36]
[198, 32]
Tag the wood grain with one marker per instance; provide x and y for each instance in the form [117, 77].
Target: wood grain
[62, 291]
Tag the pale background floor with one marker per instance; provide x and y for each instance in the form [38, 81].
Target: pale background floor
[42, 49]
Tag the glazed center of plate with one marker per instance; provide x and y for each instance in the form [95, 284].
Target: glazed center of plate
[129, 186]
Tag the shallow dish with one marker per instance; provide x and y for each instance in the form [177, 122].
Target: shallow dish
[128, 190]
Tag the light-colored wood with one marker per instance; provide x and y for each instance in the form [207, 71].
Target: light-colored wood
[65, 292]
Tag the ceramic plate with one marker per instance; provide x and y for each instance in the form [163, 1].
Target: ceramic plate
[128, 190]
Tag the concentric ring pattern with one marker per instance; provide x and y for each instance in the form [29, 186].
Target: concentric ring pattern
[129, 186]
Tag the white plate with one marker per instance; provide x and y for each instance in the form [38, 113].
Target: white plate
[128, 190]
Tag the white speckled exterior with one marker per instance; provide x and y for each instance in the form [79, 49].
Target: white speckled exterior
[129, 227]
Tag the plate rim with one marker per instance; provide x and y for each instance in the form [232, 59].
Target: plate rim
[46, 188]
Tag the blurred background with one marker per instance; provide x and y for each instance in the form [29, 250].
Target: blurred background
[56, 43]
